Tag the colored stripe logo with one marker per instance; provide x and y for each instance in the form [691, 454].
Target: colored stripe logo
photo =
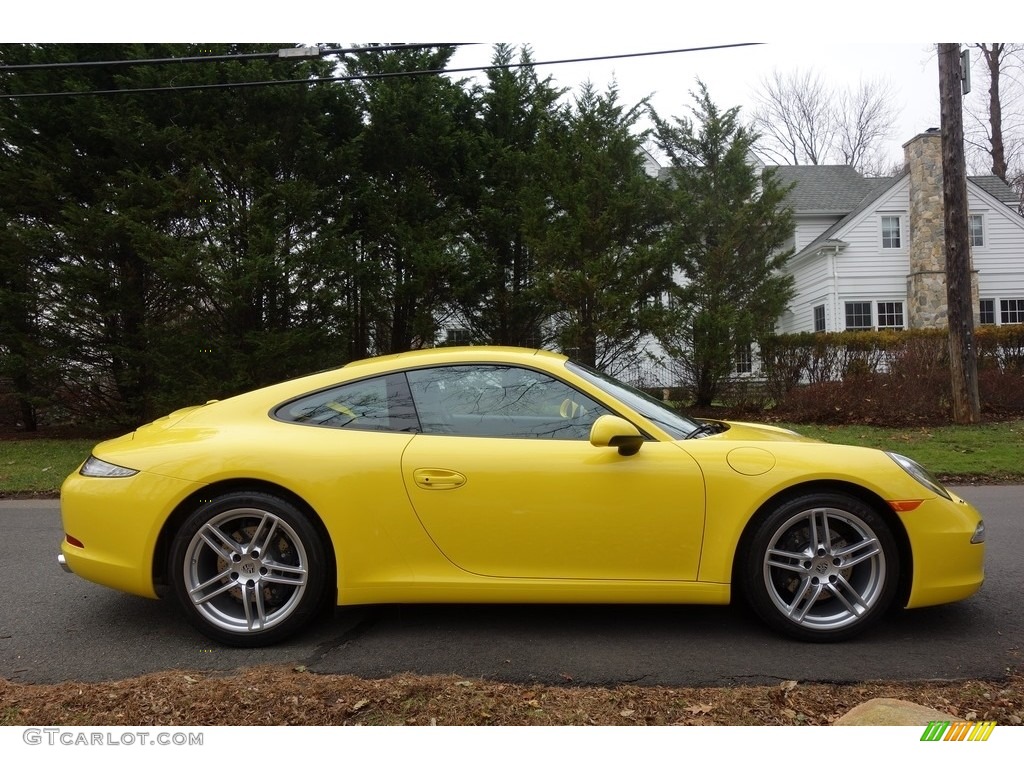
[938, 730]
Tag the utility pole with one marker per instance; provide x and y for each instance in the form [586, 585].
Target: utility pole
[963, 355]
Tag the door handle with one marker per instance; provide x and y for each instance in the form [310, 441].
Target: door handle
[438, 479]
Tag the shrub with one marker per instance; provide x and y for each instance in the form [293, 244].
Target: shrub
[1002, 393]
[890, 378]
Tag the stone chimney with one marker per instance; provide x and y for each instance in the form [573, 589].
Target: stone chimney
[926, 282]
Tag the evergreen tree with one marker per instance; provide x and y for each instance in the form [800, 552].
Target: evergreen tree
[272, 168]
[97, 196]
[26, 352]
[729, 225]
[502, 300]
[191, 240]
[596, 238]
[414, 161]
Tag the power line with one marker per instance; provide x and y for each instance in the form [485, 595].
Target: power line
[371, 76]
[307, 52]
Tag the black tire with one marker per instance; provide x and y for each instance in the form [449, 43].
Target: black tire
[822, 567]
[248, 569]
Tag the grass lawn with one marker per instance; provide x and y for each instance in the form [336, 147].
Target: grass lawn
[992, 452]
[983, 453]
[39, 466]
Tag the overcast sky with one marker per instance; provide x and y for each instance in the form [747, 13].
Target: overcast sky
[734, 75]
[863, 40]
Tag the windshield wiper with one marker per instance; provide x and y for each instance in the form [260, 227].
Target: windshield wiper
[703, 429]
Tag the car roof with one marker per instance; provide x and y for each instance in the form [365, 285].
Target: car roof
[458, 355]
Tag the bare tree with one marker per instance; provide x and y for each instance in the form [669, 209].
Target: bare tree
[864, 120]
[794, 117]
[803, 121]
[994, 123]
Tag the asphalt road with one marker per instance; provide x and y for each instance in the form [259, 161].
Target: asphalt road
[55, 626]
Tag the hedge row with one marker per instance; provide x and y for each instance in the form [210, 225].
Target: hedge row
[885, 377]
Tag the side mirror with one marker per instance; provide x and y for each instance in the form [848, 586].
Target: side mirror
[615, 432]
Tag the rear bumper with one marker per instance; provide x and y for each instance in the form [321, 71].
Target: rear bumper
[111, 527]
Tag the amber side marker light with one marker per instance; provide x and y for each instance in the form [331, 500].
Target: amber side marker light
[906, 506]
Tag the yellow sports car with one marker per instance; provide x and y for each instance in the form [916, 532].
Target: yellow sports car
[485, 474]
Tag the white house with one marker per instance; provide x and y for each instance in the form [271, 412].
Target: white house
[869, 253]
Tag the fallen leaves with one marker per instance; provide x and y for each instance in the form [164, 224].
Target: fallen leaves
[295, 696]
[361, 704]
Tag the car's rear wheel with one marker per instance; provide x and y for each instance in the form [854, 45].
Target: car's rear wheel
[248, 569]
[822, 567]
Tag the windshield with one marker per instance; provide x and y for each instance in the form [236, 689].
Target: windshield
[649, 407]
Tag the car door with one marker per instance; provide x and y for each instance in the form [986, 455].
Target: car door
[506, 483]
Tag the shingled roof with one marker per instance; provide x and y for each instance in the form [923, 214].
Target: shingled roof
[834, 189]
[840, 189]
[996, 187]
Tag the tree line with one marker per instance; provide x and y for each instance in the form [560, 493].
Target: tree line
[160, 248]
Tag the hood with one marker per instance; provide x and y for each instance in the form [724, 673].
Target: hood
[741, 430]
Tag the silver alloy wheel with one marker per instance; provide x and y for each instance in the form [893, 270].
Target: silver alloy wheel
[245, 570]
[824, 568]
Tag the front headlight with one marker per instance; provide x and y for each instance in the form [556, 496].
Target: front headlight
[919, 473]
[94, 467]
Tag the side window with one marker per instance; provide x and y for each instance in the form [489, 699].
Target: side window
[1011, 311]
[858, 316]
[819, 318]
[891, 232]
[381, 404]
[890, 315]
[976, 230]
[500, 401]
[987, 312]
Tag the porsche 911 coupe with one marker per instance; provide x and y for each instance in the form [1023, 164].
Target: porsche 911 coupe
[486, 475]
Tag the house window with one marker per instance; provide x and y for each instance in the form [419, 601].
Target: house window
[890, 315]
[819, 318]
[976, 230]
[987, 312]
[891, 232]
[744, 359]
[858, 316]
[458, 337]
[1011, 311]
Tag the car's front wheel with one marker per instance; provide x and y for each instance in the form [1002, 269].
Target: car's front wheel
[248, 569]
[821, 567]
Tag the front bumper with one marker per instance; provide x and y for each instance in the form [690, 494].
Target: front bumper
[947, 565]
